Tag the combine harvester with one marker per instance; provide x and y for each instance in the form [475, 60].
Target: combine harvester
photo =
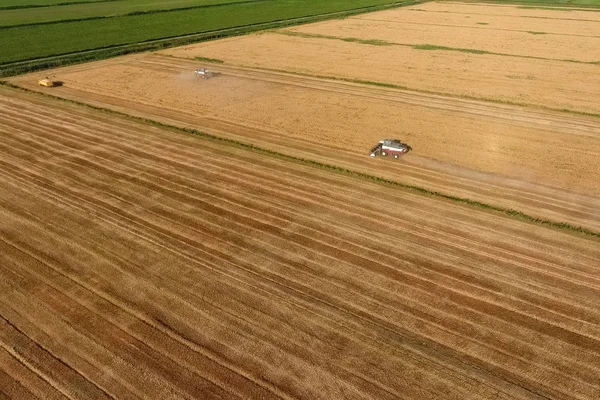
[49, 82]
[203, 73]
[392, 147]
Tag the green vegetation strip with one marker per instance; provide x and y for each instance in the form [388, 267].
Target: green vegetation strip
[17, 5]
[373, 178]
[85, 12]
[378, 42]
[210, 60]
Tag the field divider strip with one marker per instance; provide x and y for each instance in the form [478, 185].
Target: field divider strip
[378, 42]
[373, 178]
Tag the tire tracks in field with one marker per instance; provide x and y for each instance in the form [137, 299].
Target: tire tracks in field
[151, 387]
[69, 276]
[27, 378]
[32, 355]
[45, 330]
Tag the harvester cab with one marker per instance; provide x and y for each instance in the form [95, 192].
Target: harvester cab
[392, 147]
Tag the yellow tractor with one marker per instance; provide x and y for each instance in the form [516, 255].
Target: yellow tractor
[48, 82]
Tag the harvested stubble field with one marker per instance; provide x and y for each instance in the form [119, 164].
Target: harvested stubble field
[140, 262]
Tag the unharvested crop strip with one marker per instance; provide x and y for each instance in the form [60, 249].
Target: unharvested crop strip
[507, 211]
[378, 42]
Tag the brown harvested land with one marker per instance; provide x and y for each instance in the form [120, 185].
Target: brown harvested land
[138, 262]
[542, 163]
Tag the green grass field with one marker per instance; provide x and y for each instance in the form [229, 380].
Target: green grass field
[43, 3]
[98, 10]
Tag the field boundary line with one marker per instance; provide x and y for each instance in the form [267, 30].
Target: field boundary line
[516, 214]
[100, 53]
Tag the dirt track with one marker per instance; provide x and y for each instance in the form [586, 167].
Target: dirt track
[142, 263]
[337, 122]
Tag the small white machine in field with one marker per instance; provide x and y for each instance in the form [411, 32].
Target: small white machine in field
[203, 73]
